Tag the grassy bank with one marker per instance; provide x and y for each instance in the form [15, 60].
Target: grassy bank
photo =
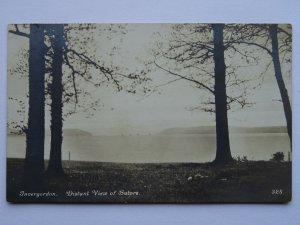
[253, 181]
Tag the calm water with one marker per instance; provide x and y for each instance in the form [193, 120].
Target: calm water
[158, 148]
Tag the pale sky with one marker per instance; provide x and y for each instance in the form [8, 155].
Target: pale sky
[126, 114]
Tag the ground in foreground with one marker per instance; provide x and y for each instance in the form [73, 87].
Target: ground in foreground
[253, 181]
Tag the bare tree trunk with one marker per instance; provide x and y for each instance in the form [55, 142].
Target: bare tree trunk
[55, 161]
[223, 154]
[34, 159]
[280, 81]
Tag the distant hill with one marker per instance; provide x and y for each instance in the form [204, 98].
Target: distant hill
[189, 130]
[212, 130]
[72, 132]
[66, 132]
[275, 129]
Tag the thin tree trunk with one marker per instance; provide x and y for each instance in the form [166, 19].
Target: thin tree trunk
[280, 81]
[34, 159]
[223, 154]
[55, 161]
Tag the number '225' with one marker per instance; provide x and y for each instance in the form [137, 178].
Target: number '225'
[277, 191]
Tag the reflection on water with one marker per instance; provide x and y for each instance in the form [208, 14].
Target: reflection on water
[158, 148]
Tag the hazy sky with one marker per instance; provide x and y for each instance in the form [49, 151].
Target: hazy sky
[132, 114]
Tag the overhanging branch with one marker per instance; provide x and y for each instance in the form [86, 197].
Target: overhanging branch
[186, 78]
[253, 44]
[18, 32]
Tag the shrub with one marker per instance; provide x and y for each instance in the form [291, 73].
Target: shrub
[278, 157]
[242, 159]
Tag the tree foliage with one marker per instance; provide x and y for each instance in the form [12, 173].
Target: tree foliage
[188, 56]
[86, 66]
[276, 41]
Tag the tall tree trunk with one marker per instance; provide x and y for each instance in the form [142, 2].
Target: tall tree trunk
[34, 159]
[280, 81]
[223, 154]
[55, 161]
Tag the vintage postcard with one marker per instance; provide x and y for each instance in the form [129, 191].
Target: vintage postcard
[149, 113]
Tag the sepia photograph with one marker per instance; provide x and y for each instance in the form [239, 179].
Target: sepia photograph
[149, 113]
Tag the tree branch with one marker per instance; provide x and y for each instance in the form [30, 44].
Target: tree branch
[285, 32]
[19, 33]
[169, 82]
[73, 77]
[186, 78]
[253, 44]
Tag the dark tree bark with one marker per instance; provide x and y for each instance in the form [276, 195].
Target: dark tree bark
[223, 154]
[34, 159]
[55, 161]
[280, 81]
